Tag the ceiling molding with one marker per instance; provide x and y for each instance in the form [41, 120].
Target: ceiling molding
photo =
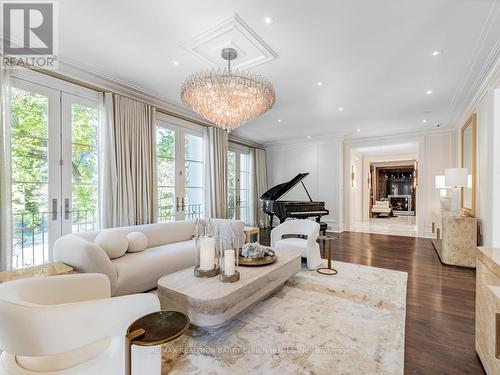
[107, 82]
[231, 32]
[490, 81]
[464, 96]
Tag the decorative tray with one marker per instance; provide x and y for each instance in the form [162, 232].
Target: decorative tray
[269, 259]
[254, 254]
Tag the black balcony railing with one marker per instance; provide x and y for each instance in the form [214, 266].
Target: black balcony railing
[192, 211]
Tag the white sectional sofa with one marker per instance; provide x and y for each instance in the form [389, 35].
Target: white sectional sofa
[170, 248]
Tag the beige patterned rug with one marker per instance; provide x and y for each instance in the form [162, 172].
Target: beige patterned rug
[351, 323]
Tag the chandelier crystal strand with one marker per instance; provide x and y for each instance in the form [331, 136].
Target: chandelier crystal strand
[228, 98]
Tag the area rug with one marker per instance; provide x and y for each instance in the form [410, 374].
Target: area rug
[351, 323]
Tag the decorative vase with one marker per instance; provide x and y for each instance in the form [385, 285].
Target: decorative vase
[229, 257]
[207, 257]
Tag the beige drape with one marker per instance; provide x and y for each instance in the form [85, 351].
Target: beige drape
[258, 165]
[215, 146]
[5, 175]
[129, 162]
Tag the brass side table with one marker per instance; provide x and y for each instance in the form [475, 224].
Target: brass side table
[328, 245]
[154, 329]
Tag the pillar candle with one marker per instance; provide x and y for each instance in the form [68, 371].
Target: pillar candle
[207, 253]
[229, 262]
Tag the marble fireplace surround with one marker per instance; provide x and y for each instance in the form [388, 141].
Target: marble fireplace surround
[352, 323]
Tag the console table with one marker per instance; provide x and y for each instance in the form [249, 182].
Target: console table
[454, 238]
[488, 308]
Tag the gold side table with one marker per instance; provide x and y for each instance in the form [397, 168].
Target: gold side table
[154, 329]
[328, 245]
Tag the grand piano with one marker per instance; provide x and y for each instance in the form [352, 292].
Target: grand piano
[295, 209]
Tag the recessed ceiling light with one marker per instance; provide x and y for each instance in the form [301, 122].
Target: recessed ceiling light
[175, 63]
[308, 137]
[424, 121]
[279, 120]
[358, 130]
[436, 53]
[341, 109]
[268, 20]
[320, 83]
[428, 92]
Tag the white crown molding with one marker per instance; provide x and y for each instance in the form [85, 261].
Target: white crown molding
[243, 141]
[351, 140]
[491, 80]
[302, 140]
[467, 97]
[107, 82]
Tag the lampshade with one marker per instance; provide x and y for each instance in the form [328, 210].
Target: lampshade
[440, 182]
[456, 177]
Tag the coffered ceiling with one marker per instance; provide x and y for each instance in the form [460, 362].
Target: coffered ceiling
[356, 68]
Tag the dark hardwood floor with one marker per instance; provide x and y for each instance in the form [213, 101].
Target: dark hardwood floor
[440, 300]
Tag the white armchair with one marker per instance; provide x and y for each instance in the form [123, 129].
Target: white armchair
[69, 325]
[308, 248]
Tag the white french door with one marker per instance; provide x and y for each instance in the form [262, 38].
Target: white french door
[238, 183]
[180, 170]
[53, 146]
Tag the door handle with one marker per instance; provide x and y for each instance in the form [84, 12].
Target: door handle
[183, 205]
[67, 211]
[54, 209]
[177, 204]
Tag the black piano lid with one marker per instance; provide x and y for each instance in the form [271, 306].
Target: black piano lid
[276, 192]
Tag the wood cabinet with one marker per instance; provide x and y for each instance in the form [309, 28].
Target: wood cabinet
[455, 238]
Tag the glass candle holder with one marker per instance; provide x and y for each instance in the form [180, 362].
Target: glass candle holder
[207, 257]
[228, 261]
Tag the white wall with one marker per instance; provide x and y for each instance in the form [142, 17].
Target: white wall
[487, 109]
[323, 159]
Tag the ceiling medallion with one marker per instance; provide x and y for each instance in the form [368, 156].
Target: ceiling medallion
[228, 98]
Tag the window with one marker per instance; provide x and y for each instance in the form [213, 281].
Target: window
[54, 156]
[238, 180]
[180, 170]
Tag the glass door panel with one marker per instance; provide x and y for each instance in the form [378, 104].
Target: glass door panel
[194, 175]
[80, 168]
[35, 173]
[232, 186]
[166, 173]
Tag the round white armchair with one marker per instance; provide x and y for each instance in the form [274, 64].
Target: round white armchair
[68, 324]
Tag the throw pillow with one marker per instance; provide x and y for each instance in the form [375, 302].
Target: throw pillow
[137, 241]
[113, 241]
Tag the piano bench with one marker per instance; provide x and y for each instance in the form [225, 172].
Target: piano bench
[322, 228]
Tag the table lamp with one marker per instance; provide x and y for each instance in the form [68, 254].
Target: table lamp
[455, 178]
[441, 185]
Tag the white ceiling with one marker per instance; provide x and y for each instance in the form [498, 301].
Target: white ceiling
[374, 57]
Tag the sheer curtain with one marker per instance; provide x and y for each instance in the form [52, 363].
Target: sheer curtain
[215, 142]
[128, 195]
[5, 178]
[258, 168]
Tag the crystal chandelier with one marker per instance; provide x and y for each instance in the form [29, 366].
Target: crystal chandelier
[228, 98]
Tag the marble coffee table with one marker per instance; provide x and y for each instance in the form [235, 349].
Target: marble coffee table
[212, 303]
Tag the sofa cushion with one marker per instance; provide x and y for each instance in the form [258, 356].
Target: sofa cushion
[113, 241]
[138, 272]
[137, 241]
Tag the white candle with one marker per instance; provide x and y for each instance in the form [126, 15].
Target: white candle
[207, 253]
[229, 265]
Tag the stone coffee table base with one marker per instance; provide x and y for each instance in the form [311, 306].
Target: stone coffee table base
[212, 303]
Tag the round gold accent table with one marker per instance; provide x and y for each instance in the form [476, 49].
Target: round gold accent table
[328, 245]
[154, 329]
